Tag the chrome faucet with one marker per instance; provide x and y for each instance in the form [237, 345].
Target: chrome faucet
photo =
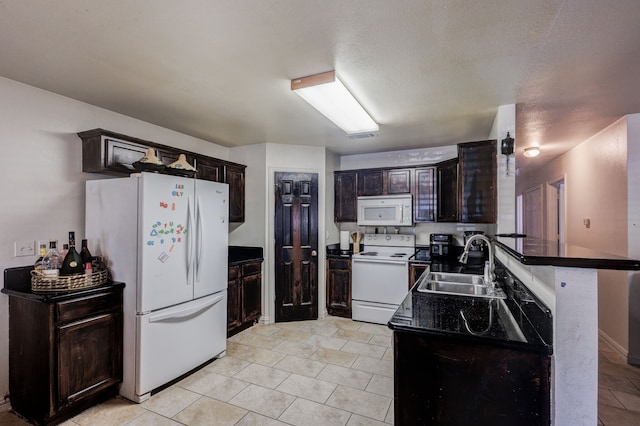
[489, 275]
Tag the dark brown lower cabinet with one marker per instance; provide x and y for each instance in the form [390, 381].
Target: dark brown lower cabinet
[415, 270]
[441, 381]
[244, 296]
[339, 287]
[64, 356]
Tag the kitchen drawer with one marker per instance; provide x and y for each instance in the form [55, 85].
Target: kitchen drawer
[251, 268]
[234, 272]
[71, 310]
[339, 264]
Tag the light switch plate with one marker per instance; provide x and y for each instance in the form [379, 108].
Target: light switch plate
[23, 248]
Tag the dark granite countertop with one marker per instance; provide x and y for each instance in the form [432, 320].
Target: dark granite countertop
[534, 251]
[17, 283]
[244, 254]
[519, 322]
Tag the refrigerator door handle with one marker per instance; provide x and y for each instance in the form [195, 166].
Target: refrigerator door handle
[198, 239]
[189, 244]
[187, 312]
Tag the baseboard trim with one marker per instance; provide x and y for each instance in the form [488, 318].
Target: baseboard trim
[613, 343]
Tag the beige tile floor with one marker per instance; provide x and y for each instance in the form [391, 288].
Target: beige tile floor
[327, 372]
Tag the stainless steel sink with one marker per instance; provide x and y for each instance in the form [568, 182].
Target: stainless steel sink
[458, 284]
[456, 278]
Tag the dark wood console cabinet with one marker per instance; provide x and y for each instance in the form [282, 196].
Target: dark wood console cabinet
[244, 296]
[64, 355]
[114, 153]
[339, 287]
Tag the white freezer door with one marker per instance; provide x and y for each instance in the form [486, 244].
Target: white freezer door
[211, 237]
[166, 230]
[175, 340]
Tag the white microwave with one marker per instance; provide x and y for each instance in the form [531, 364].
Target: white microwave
[385, 210]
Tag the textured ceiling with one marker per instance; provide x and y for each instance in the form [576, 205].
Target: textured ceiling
[431, 72]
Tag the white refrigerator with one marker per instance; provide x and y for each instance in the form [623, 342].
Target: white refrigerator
[166, 238]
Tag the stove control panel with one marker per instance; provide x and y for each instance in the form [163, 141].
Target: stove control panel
[391, 240]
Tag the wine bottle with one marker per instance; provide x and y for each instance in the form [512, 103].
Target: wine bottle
[85, 254]
[51, 261]
[43, 252]
[72, 263]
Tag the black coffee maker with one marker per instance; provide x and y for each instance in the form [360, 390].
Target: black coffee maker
[441, 246]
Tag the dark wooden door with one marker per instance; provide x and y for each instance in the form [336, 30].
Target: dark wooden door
[296, 246]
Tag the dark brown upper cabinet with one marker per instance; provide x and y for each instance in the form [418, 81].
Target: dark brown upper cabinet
[424, 196]
[477, 186]
[397, 181]
[370, 182]
[447, 193]
[113, 153]
[345, 200]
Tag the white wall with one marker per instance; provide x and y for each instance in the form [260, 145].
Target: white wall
[41, 166]
[596, 188]
[504, 122]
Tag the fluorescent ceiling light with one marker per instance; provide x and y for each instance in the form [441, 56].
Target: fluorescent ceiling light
[329, 96]
[531, 152]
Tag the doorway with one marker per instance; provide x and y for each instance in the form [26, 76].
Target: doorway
[296, 246]
[555, 211]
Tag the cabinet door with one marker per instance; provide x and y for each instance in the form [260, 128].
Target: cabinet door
[345, 206]
[233, 299]
[339, 287]
[209, 169]
[121, 154]
[415, 270]
[234, 176]
[397, 181]
[477, 194]
[251, 297]
[370, 182]
[424, 197]
[89, 357]
[447, 196]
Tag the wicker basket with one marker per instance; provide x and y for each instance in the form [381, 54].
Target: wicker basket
[44, 284]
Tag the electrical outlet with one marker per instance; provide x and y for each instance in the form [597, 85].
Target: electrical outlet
[23, 248]
[587, 222]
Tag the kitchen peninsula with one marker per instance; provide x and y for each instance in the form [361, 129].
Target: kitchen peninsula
[564, 279]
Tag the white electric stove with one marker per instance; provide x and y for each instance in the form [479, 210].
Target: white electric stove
[380, 276]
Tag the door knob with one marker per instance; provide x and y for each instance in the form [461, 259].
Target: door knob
[314, 253]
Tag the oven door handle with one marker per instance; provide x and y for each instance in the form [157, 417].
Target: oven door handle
[392, 262]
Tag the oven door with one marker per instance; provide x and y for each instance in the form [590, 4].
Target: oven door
[378, 288]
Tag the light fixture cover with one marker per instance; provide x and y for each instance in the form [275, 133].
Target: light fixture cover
[328, 95]
[531, 151]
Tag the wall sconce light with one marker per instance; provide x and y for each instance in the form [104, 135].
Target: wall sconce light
[507, 145]
[531, 151]
[329, 96]
[507, 149]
